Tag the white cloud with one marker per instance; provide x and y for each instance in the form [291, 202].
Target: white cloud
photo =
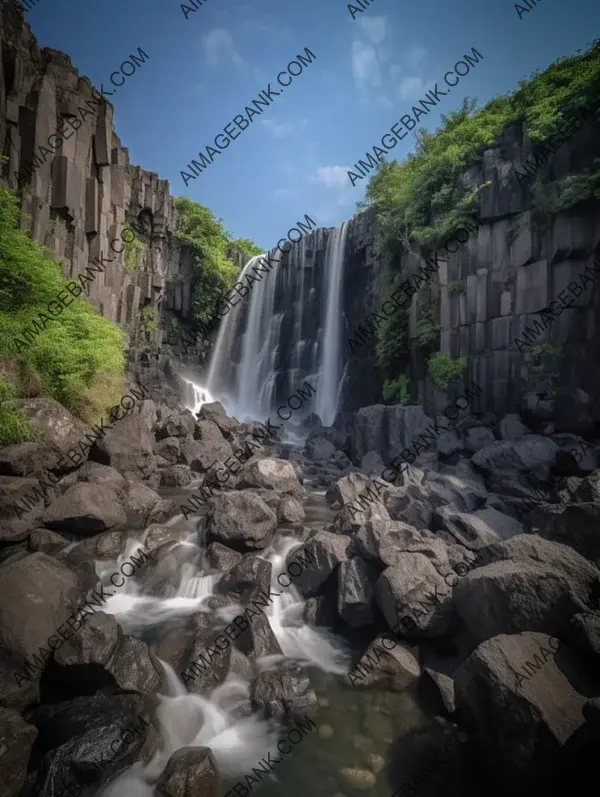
[374, 27]
[415, 55]
[283, 129]
[332, 176]
[411, 87]
[365, 66]
[219, 48]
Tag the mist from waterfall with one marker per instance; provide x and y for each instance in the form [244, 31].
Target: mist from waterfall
[288, 330]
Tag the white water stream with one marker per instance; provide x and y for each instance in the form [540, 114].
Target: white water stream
[185, 719]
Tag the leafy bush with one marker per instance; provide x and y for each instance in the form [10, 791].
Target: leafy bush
[78, 357]
[14, 426]
[444, 369]
[215, 274]
[545, 356]
[248, 248]
[131, 248]
[398, 390]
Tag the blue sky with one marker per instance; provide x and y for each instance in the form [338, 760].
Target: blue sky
[293, 159]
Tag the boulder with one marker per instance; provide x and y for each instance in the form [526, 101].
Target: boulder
[414, 597]
[85, 509]
[175, 424]
[290, 510]
[284, 693]
[16, 740]
[478, 437]
[319, 448]
[246, 579]
[47, 541]
[58, 431]
[326, 550]
[475, 529]
[537, 586]
[346, 489]
[372, 464]
[577, 525]
[95, 473]
[94, 643]
[176, 476]
[240, 520]
[531, 454]
[222, 558]
[168, 448]
[190, 771]
[355, 591]
[386, 543]
[23, 503]
[25, 459]
[387, 663]
[270, 474]
[410, 505]
[449, 444]
[513, 693]
[128, 447]
[37, 595]
[512, 428]
[386, 430]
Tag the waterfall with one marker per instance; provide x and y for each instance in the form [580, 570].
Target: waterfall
[287, 330]
[330, 361]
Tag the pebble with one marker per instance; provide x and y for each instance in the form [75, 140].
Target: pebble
[359, 778]
[325, 731]
[376, 762]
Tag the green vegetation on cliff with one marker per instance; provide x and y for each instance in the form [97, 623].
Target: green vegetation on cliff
[423, 199]
[75, 357]
[215, 273]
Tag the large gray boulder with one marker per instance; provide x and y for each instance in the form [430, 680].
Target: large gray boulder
[355, 591]
[37, 595]
[325, 550]
[531, 454]
[513, 693]
[16, 740]
[577, 525]
[270, 474]
[190, 771]
[386, 430]
[86, 509]
[284, 693]
[23, 503]
[128, 447]
[240, 520]
[474, 529]
[530, 584]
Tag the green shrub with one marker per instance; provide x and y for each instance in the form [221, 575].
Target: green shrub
[78, 356]
[14, 426]
[214, 273]
[444, 369]
[456, 288]
[545, 357]
[131, 248]
[398, 390]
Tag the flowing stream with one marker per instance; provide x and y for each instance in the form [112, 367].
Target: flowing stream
[360, 725]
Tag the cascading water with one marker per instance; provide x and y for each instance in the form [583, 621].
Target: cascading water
[270, 343]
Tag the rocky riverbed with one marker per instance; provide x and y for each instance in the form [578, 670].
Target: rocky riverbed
[167, 629]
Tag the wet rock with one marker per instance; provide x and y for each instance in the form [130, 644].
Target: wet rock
[388, 663]
[284, 693]
[532, 454]
[478, 437]
[361, 779]
[128, 447]
[410, 505]
[161, 535]
[376, 763]
[576, 525]
[247, 578]
[94, 643]
[350, 519]
[190, 772]
[444, 686]
[134, 667]
[95, 473]
[37, 595]
[110, 545]
[270, 474]
[85, 509]
[89, 739]
[442, 489]
[355, 591]
[325, 551]
[163, 574]
[449, 444]
[16, 740]
[17, 693]
[25, 459]
[58, 431]
[386, 543]
[176, 476]
[290, 510]
[523, 713]
[259, 639]
[46, 541]
[320, 611]
[240, 520]
[169, 449]
[220, 557]
[211, 412]
[413, 593]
